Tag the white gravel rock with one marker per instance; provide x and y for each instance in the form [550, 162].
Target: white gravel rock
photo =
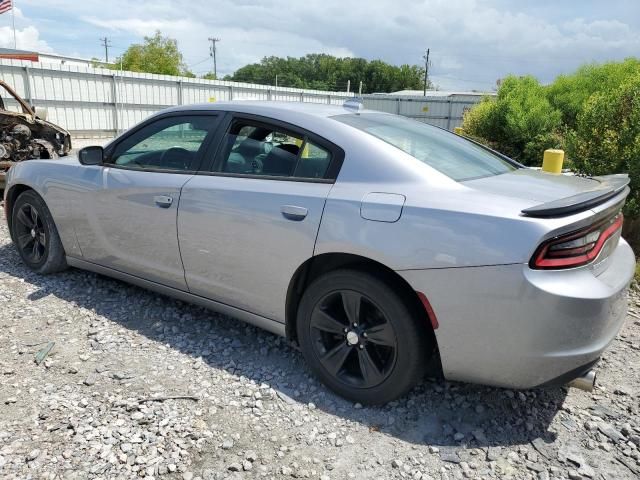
[143, 386]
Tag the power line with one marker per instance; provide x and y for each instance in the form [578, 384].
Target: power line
[212, 52]
[106, 43]
[199, 62]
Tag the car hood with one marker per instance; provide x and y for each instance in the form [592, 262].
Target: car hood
[52, 126]
[67, 160]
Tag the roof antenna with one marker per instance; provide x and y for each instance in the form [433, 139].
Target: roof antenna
[355, 104]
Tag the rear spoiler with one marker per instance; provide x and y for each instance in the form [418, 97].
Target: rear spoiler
[610, 186]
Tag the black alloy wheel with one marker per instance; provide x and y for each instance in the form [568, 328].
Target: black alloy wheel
[363, 335]
[30, 234]
[353, 338]
[35, 235]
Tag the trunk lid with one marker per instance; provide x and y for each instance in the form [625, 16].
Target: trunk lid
[552, 195]
[582, 214]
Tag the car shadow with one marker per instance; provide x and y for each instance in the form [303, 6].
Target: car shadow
[449, 415]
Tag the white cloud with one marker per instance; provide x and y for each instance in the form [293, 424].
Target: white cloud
[473, 42]
[239, 45]
[27, 39]
[140, 26]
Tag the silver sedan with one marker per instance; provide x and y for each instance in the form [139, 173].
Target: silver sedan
[375, 243]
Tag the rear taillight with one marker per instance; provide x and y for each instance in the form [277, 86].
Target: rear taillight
[576, 248]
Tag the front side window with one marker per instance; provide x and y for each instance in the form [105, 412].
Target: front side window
[261, 149]
[450, 154]
[170, 143]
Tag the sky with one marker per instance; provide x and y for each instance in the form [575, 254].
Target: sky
[472, 42]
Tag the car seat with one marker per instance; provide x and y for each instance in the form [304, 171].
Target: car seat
[281, 160]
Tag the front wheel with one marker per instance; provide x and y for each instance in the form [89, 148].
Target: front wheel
[35, 235]
[361, 337]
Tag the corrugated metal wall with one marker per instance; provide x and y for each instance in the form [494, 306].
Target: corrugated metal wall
[442, 111]
[99, 102]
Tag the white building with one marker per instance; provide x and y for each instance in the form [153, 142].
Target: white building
[45, 58]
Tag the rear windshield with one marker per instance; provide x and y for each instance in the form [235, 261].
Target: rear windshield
[450, 154]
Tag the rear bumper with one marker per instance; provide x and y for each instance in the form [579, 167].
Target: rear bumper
[514, 327]
[567, 378]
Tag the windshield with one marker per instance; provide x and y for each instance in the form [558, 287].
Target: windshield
[450, 154]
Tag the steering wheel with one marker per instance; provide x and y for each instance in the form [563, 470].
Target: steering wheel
[174, 155]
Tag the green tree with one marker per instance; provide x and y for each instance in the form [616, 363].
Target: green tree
[97, 63]
[158, 54]
[210, 76]
[326, 72]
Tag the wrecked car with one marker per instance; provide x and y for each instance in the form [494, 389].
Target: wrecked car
[26, 136]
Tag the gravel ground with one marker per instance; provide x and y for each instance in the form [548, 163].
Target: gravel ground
[140, 385]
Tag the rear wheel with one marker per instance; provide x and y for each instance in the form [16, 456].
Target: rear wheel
[35, 234]
[360, 337]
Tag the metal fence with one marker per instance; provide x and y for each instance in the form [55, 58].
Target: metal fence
[442, 111]
[100, 103]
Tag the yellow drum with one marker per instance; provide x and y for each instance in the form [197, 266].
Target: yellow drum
[552, 161]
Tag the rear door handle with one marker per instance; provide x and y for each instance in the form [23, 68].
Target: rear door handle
[293, 212]
[163, 201]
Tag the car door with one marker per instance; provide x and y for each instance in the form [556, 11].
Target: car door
[130, 221]
[248, 223]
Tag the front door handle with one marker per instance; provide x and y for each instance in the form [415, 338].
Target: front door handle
[163, 201]
[293, 212]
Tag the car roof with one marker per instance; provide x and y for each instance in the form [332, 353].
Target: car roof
[279, 110]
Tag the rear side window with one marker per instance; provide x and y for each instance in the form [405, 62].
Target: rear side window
[450, 154]
[264, 150]
[313, 162]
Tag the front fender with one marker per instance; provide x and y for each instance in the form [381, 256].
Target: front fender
[53, 182]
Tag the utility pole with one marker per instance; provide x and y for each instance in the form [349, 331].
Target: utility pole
[348, 86]
[426, 71]
[106, 43]
[212, 53]
[360, 89]
[13, 21]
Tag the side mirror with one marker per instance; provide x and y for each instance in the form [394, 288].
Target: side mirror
[91, 155]
[40, 112]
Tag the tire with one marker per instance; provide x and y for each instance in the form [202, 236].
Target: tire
[382, 357]
[35, 235]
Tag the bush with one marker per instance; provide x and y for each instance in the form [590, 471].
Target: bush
[482, 121]
[520, 122]
[535, 147]
[594, 114]
[525, 118]
[607, 137]
[569, 93]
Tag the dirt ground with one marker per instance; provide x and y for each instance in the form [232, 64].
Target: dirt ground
[140, 385]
